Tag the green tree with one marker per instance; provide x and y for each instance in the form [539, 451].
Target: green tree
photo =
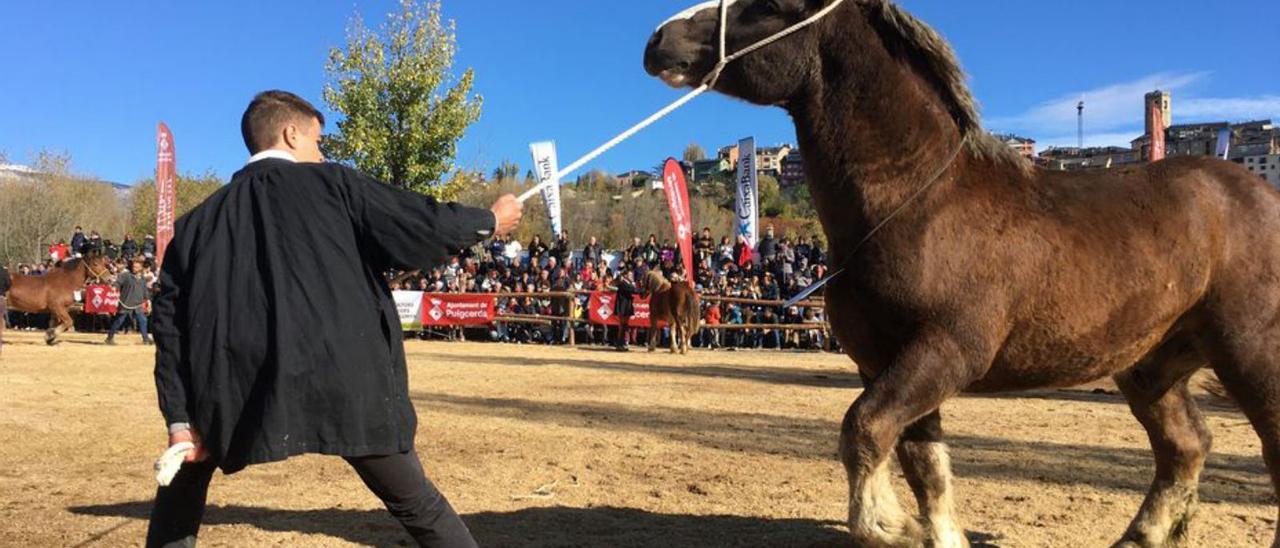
[192, 191]
[770, 196]
[507, 170]
[403, 110]
[694, 153]
[40, 208]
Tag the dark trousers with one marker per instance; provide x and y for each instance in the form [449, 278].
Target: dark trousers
[123, 314]
[623, 324]
[396, 479]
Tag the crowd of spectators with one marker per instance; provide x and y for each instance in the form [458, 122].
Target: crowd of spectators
[81, 244]
[775, 269]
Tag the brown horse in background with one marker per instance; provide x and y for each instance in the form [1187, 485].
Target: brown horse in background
[968, 269]
[677, 304]
[54, 292]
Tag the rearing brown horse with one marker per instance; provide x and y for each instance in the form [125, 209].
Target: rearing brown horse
[54, 292]
[991, 274]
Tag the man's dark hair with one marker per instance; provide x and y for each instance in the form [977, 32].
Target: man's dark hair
[268, 113]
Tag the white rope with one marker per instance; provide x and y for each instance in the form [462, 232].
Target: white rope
[707, 83]
[560, 175]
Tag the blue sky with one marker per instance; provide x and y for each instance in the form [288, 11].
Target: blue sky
[91, 78]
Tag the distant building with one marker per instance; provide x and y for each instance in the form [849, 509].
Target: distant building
[1024, 146]
[634, 178]
[706, 169]
[729, 154]
[1265, 166]
[769, 160]
[1075, 158]
[1163, 100]
[792, 170]
[1256, 138]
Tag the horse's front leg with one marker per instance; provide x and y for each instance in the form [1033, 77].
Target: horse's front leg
[653, 330]
[930, 369]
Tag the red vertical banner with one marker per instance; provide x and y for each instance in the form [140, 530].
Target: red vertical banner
[166, 189]
[678, 200]
[1155, 128]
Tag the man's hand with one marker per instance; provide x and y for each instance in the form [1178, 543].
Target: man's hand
[508, 210]
[190, 435]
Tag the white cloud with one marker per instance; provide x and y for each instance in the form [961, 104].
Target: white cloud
[1106, 108]
[1238, 109]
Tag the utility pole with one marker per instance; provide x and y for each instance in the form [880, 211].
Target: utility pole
[1080, 124]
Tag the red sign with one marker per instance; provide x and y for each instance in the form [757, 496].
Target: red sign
[600, 310]
[101, 299]
[678, 200]
[447, 309]
[166, 189]
[1156, 131]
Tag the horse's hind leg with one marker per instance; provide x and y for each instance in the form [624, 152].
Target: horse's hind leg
[677, 333]
[927, 467]
[59, 323]
[1252, 378]
[1156, 389]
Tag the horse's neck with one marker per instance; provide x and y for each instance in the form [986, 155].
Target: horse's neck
[870, 141]
[75, 275]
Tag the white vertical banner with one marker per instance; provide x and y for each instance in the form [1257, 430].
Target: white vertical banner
[547, 168]
[409, 306]
[1224, 143]
[748, 193]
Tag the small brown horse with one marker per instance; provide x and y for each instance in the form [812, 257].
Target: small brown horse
[677, 304]
[54, 292]
[991, 274]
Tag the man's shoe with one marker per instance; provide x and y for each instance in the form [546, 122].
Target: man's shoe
[148, 342]
[111, 341]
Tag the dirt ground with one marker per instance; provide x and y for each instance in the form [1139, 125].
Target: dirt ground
[545, 446]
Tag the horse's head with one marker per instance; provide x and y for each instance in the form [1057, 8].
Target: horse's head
[96, 266]
[686, 48]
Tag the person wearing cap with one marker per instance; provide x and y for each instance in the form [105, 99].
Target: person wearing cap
[277, 334]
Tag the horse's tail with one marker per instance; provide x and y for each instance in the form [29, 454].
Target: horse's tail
[690, 308]
[1218, 391]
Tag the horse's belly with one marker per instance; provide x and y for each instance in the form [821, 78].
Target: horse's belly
[1031, 359]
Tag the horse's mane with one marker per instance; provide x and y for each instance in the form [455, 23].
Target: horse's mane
[932, 57]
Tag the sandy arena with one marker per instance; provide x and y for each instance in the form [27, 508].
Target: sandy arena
[544, 446]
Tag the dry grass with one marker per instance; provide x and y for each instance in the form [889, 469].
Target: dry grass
[549, 447]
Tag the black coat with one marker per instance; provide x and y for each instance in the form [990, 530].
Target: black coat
[5, 284]
[276, 333]
[624, 305]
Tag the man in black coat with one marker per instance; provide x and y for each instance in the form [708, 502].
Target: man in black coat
[277, 334]
[77, 242]
[624, 305]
